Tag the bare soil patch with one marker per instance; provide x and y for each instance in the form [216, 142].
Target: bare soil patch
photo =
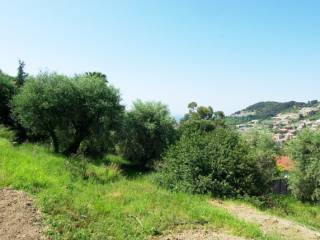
[19, 220]
[196, 234]
[268, 223]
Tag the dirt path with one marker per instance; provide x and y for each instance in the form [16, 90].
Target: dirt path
[196, 234]
[19, 220]
[268, 223]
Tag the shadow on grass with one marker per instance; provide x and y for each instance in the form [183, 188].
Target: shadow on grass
[133, 171]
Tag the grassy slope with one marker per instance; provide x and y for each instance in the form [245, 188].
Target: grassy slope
[128, 208]
[288, 207]
[304, 213]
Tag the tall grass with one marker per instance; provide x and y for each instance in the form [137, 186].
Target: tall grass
[97, 202]
[6, 133]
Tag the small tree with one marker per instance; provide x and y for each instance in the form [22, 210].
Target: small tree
[149, 130]
[67, 110]
[22, 75]
[216, 162]
[304, 180]
[200, 118]
[201, 113]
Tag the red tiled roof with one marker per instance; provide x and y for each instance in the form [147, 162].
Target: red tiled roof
[285, 162]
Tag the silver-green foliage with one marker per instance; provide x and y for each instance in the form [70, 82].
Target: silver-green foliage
[149, 130]
[70, 111]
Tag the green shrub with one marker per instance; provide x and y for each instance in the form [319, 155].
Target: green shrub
[304, 180]
[149, 130]
[7, 90]
[217, 162]
[98, 173]
[6, 133]
[263, 150]
[103, 174]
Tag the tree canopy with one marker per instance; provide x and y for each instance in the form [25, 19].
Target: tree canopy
[67, 110]
[149, 130]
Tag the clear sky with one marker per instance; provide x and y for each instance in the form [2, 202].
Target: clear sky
[228, 54]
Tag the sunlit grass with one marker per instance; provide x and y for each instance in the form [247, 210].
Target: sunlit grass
[288, 207]
[101, 203]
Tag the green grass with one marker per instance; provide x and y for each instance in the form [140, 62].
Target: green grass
[288, 207]
[87, 201]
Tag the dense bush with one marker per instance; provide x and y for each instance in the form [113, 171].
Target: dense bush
[82, 110]
[149, 130]
[216, 162]
[304, 181]
[7, 90]
[263, 150]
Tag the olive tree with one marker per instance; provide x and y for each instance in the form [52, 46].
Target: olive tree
[149, 130]
[68, 110]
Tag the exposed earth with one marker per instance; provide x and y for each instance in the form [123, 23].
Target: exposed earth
[270, 224]
[19, 220]
[196, 234]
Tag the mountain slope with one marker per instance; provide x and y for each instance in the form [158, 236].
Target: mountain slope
[264, 110]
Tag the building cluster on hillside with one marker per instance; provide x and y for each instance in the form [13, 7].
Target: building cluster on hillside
[285, 126]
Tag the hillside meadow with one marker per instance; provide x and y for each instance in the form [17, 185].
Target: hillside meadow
[122, 207]
[98, 170]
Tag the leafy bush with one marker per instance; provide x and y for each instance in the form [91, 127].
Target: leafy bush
[7, 90]
[217, 162]
[6, 133]
[263, 150]
[149, 130]
[304, 180]
[71, 112]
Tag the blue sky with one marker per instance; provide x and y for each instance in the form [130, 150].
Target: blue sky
[227, 54]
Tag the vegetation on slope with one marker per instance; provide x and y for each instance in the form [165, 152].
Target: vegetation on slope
[286, 206]
[81, 207]
[82, 199]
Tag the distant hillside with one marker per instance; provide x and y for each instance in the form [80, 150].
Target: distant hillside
[265, 110]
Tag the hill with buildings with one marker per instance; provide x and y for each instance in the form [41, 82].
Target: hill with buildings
[283, 120]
